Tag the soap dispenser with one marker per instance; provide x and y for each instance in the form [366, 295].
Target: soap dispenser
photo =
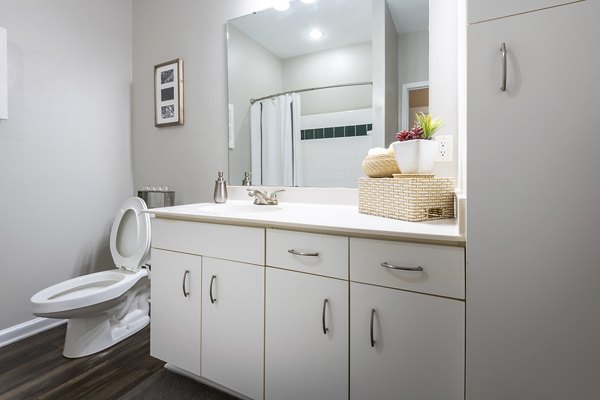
[220, 195]
[246, 181]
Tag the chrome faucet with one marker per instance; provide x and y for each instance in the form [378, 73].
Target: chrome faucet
[264, 199]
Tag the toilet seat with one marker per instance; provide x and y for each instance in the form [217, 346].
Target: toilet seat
[130, 235]
[84, 291]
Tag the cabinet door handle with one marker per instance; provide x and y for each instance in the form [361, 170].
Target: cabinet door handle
[387, 265]
[210, 293]
[325, 328]
[186, 292]
[371, 330]
[299, 253]
[503, 51]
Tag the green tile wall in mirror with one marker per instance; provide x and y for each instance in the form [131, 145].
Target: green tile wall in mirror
[301, 108]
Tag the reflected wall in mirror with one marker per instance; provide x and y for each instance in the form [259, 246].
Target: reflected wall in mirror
[288, 125]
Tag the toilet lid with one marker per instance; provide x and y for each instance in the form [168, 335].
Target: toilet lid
[130, 235]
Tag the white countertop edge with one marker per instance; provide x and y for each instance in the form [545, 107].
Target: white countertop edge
[348, 221]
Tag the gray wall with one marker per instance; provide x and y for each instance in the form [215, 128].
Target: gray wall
[253, 72]
[385, 74]
[348, 64]
[187, 157]
[65, 150]
[413, 62]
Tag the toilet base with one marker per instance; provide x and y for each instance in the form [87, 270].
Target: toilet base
[86, 336]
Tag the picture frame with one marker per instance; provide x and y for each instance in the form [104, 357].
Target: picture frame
[168, 93]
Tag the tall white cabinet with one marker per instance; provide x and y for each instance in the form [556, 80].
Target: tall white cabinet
[533, 272]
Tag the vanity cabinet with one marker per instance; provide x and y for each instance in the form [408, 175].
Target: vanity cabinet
[306, 336]
[233, 325]
[303, 315]
[176, 287]
[406, 343]
[483, 10]
[207, 290]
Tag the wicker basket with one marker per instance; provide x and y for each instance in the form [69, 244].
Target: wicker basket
[409, 198]
[380, 165]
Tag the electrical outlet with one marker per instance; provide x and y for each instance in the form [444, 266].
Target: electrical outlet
[445, 148]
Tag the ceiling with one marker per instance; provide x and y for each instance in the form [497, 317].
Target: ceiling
[344, 22]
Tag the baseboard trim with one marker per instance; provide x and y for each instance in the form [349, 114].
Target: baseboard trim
[27, 329]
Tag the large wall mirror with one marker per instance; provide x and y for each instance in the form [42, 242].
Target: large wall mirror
[301, 106]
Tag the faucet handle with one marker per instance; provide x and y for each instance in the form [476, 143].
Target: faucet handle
[273, 195]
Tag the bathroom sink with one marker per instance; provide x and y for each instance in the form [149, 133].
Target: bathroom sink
[232, 208]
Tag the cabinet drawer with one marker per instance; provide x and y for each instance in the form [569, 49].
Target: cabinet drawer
[323, 254]
[443, 267]
[236, 243]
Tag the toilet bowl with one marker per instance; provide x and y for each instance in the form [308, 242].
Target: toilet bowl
[105, 307]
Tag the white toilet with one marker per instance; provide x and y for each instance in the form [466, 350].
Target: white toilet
[105, 307]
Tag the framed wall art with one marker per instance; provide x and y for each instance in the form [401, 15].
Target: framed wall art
[168, 93]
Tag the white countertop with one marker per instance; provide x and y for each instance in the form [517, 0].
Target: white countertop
[325, 218]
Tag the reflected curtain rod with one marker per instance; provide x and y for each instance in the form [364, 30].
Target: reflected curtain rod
[252, 101]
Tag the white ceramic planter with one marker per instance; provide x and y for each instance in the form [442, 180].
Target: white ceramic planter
[416, 156]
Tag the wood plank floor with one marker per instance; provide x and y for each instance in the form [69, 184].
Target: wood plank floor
[34, 368]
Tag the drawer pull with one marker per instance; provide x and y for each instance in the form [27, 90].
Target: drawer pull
[325, 328]
[186, 292]
[299, 253]
[210, 292]
[372, 318]
[386, 265]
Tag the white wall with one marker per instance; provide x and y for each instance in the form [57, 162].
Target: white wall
[187, 157]
[3, 78]
[444, 75]
[253, 72]
[65, 150]
[348, 64]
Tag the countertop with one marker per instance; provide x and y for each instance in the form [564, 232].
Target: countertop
[319, 218]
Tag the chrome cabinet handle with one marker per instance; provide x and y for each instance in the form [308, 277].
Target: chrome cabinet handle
[386, 265]
[212, 299]
[503, 51]
[372, 318]
[298, 253]
[186, 293]
[325, 328]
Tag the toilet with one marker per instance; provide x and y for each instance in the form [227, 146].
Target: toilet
[106, 307]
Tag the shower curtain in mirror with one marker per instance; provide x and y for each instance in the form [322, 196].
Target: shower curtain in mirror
[275, 141]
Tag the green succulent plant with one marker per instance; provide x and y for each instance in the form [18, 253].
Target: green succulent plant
[429, 124]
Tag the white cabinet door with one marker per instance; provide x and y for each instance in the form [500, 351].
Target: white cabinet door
[175, 309]
[306, 350]
[482, 10]
[410, 347]
[533, 282]
[233, 325]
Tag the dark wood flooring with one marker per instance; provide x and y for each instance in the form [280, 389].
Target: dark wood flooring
[34, 368]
